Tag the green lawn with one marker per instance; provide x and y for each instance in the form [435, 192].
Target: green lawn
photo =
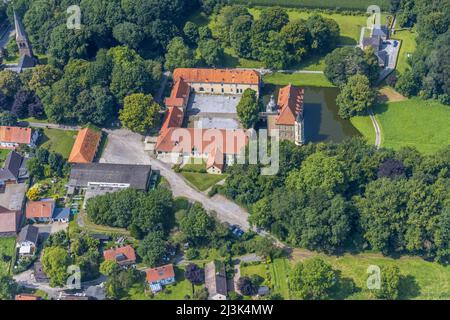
[3, 154]
[423, 280]
[202, 181]
[364, 125]
[59, 141]
[195, 165]
[423, 124]
[298, 79]
[408, 46]
[7, 249]
[275, 275]
[176, 291]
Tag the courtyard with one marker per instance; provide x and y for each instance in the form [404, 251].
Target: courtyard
[213, 111]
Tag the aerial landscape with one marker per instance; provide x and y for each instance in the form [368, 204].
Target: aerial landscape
[195, 150]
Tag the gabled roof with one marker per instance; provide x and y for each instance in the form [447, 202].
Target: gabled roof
[28, 233]
[187, 140]
[20, 30]
[12, 168]
[160, 273]
[40, 209]
[216, 278]
[215, 159]
[122, 255]
[9, 220]
[290, 103]
[85, 146]
[61, 213]
[136, 176]
[25, 296]
[26, 62]
[179, 94]
[234, 76]
[173, 119]
[15, 134]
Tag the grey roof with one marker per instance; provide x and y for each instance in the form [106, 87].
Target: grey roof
[137, 176]
[14, 167]
[216, 278]
[374, 42]
[28, 233]
[20, 30]
[39, 273]
[381, 31]
[61, 213]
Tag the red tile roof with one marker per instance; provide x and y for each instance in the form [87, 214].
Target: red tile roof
[179, 94]
[218, 76]
[9, 220]
[215, 159]
[85, 146]
[290, 102]
[186, 140]
[128, 253]
[174, 119]
[40, 209]
[15, 135]
[160, 273]
[24, 297]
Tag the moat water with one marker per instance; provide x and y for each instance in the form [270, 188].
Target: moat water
[322, 122]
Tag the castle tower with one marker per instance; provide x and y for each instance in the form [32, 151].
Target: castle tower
[21, 38]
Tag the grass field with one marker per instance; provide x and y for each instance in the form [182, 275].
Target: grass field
[59, 141]
[327, 4]
[409, 45]
[298, 79]
[423, 124]
[421, 279]
[7, 248]
[202, 181]
[364, 125]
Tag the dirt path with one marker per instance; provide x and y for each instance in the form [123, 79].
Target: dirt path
[377, 129]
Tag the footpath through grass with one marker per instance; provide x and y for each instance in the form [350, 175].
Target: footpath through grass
[424, 124]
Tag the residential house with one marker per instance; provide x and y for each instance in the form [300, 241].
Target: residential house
[378, 34]
[40, 211]
[218, 81]
[288, 118]
[27, 297]
[159, 277]
[85, 146]
[27, 240]
[216, 280]
[10, 221]
[14, 170]
[61, 215]
[100, 178]
[124, 256]
[13, 137]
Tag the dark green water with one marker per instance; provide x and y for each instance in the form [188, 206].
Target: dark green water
[322, 122]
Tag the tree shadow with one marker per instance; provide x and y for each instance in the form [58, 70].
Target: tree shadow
[408, 287]
[381, 107]
[347, 41]
[344, 287]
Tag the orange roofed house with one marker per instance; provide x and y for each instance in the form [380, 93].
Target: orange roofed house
[287, 114]
[85, 146]
[13, 137]
[124, 256]
[159, 277]
[40, 211]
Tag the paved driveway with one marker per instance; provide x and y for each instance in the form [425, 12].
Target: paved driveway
[125, 147]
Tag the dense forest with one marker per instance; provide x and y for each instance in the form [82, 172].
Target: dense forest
[428, 76]
[351, 197]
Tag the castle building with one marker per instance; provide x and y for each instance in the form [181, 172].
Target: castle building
[27, 59]
[288, 117]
